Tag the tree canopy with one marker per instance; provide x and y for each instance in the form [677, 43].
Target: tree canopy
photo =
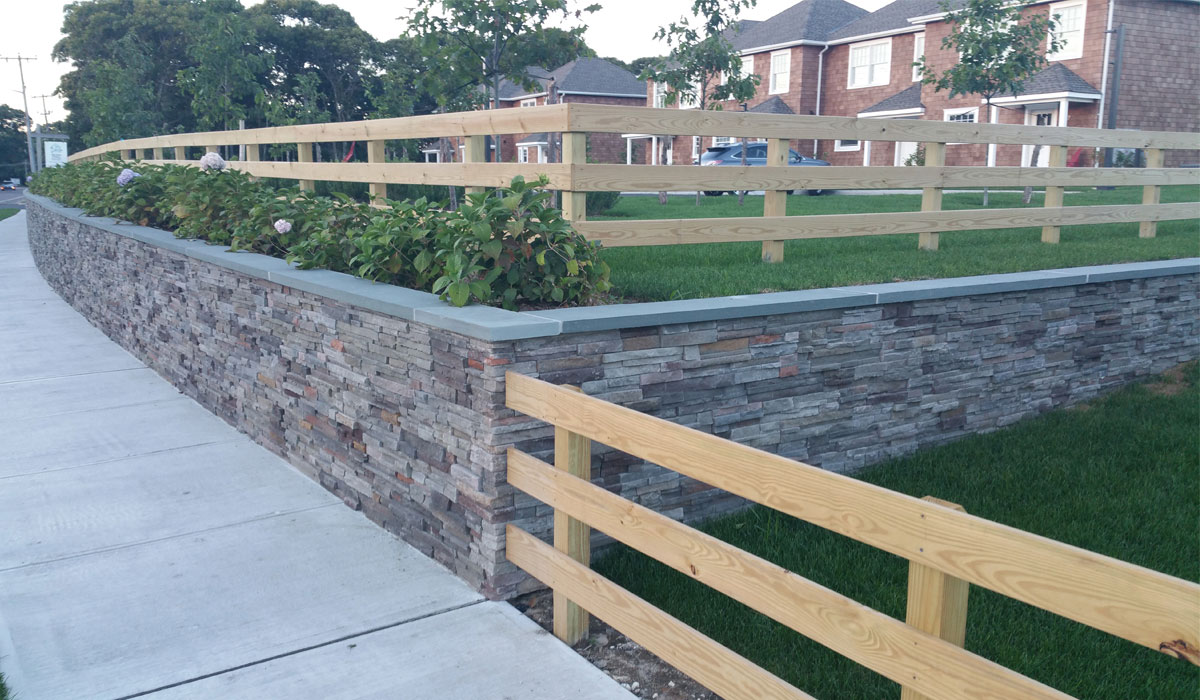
[145, 67]
[999, 48]
[14, 157]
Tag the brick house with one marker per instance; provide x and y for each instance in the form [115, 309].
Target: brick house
[827, 57]
[589, 80]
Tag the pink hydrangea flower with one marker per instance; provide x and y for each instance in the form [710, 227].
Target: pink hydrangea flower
[212, 161]
[126, 177]
[283, 226]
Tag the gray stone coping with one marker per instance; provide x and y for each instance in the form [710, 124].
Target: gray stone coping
[492, 324]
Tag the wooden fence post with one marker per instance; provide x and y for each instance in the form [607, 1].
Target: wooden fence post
[1151, 194]
[574, 152]
[474, 151]
[253, 153]
[377, 153]
[129, 154]
[304, 154]
[775, 201]
[572, 454]
[937, 602]
[931, 197]
[158, 153]
[1054, 194]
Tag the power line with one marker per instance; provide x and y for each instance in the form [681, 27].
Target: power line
[28, 127]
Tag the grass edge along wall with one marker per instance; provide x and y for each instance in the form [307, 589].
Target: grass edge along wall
[401, 411]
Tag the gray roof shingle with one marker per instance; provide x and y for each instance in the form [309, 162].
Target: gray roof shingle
[813, 20]
[890, 17]
[591, 75]
[772, 106]
[908, 98]
[1057, 78]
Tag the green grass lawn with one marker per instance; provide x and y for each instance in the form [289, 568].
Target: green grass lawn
[657, 273]
[4, 214]
[1118, 476]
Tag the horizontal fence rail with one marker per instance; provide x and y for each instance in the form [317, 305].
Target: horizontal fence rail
[575, 176]
[948, 550]
[768, 228]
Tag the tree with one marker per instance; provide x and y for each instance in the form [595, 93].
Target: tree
[703, 68]
[119, 97]
[483, 42]
[136, 48]
[225, 82]
[14, 159]
[999, 48]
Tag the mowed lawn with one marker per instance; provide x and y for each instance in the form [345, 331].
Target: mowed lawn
[1118, 476]
[4, 214]
[656, 273]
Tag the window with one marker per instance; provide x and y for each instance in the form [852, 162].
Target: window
[757, 151]
[660, 95]
[964, 115]
[433, 157]
[690, 101]
[723, 140]
[747, 66]
[529, 103]
[1069, 30]
[781, 72]
[918, 53]
[522, 154]
[846, 145]
[870, 63]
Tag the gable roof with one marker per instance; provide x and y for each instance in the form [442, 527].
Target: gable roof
[891, 17]
[1057, 78]
[772, 106]
[908, 98]
[593, 76]
[809, 20]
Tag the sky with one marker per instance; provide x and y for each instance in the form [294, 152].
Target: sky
[622, 28]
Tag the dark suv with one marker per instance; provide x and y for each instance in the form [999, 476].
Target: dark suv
[756, 154]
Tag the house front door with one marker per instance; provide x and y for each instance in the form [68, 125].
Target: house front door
[1038, 117]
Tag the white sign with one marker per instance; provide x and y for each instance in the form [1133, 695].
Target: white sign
[56, 153]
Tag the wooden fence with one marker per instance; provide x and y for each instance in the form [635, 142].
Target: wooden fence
[575, 176]
[948, 551]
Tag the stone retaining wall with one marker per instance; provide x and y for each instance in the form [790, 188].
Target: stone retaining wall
[394, 401]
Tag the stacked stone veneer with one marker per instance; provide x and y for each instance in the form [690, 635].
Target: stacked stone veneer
[405, 419]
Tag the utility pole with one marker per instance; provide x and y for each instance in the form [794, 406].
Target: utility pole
[45, 112]
[28, 127]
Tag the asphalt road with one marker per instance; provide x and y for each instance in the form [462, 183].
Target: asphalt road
[10, 199]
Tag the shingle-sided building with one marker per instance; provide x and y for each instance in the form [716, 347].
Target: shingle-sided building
[590, 80]
[828, 57]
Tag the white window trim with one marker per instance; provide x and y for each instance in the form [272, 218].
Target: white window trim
[918, 56]
[658, 98]
[954, 112]
[723, 140]
[522, 154]
[887, 74]
[529, 103]
[1074, 50]
[773, 88]
[747, 66]
[839, 147]
[684, 102]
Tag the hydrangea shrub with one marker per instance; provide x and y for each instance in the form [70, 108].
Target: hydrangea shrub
[508, 247]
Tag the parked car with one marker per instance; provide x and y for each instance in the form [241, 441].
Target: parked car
[756, 154]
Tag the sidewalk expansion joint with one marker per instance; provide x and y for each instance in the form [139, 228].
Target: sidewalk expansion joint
[301, 650]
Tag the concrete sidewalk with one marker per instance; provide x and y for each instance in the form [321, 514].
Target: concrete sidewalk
[149, 549]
